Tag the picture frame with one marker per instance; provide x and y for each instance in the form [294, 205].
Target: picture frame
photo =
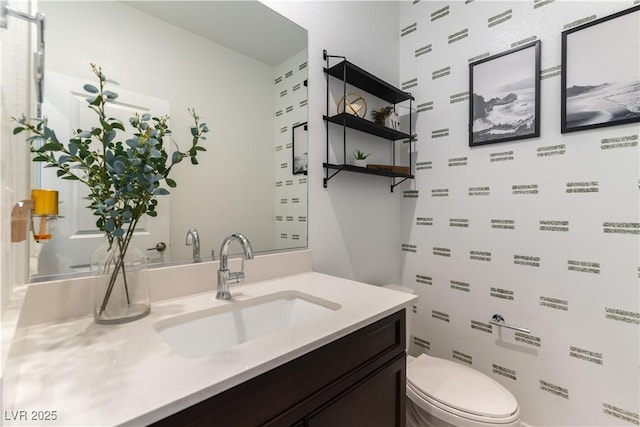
[299, 144]
[505, 96]
[601, 72]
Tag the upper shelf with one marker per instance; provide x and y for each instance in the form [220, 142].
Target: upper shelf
[356, 76]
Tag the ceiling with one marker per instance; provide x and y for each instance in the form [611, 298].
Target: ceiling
[248, 27]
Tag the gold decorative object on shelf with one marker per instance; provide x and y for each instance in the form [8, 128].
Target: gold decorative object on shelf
[353, 103]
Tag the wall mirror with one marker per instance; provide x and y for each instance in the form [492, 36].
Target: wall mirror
[243, 68]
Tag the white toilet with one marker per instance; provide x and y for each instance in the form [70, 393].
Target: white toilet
[442, 393]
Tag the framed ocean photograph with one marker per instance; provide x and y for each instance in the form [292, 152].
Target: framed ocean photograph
[299, 148]
[505, 90]
[601, 72]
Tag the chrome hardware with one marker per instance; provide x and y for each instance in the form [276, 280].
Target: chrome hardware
[194, 239]
[160, 247]
[225, 277]
[498, 320]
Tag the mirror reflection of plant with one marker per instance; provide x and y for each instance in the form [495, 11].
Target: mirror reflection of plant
[123, 178]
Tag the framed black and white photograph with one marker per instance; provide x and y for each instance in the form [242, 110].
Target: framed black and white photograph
[505, 96]
[299, 148]
[601, 72]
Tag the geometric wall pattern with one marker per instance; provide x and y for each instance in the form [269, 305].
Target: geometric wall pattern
[290, 190]
[544, 231]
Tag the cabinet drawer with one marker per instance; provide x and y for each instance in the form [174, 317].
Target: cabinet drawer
[378, 401]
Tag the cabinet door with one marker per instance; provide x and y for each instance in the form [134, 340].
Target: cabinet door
[377, 401]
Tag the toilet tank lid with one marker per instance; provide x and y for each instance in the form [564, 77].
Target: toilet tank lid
[400, 288]
[460, 387]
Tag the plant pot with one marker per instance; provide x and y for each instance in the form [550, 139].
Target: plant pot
[121, 283]
[392, 121]
[361, 163]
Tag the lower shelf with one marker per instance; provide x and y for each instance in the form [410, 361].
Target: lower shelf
[369, 171]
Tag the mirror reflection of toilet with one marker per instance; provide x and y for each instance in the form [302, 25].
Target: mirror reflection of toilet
[442, 393]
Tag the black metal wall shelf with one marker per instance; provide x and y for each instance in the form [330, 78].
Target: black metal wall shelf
[366, 81]
[369, 171]
[367, 126]
[350, 73]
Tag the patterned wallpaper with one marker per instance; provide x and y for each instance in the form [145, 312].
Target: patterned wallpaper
[544, 231]
[291, 190]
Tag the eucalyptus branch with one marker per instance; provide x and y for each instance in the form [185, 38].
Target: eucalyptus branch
[124, 178]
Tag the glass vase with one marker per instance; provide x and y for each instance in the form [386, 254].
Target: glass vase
[121, 282]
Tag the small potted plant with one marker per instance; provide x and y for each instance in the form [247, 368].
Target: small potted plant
[360, 158]
[386, 116]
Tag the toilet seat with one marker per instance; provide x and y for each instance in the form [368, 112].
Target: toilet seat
[459, 391]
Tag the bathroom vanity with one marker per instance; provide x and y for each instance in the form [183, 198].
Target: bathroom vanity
[344, 366]
[358, 380]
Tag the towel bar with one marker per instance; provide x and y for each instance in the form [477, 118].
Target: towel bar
[498, 320]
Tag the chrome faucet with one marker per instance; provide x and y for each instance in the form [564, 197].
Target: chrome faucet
[193, 239]
[226, 278]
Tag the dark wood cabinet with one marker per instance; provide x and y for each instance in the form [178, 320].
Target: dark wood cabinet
[373, 403]
[355, 381]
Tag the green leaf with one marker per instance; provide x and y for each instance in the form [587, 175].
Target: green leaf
[50, 134]
[170, 182]
[95, 101]
[110, 95]
[110, 225]
[160, 192]
[152, 213]
[50, 146]
[119, 167]
[110, 136]
[64, 159]
[90, 88]
[194, 160]
[17, 130]
[176, 157]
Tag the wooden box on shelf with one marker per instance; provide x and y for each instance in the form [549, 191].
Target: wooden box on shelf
[391, 168]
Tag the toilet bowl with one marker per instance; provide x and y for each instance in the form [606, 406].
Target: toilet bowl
[442, 393]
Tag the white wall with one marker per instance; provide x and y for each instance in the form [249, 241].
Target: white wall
[579, 365]
[290, 100]
[15, 99]
[354, 223]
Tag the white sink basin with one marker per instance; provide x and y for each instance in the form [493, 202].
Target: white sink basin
[208, 331]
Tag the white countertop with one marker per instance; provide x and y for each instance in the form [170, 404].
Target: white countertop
[93, 375]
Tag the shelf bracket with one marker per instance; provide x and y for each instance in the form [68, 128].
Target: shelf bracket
[326, 180]
[395, 184]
